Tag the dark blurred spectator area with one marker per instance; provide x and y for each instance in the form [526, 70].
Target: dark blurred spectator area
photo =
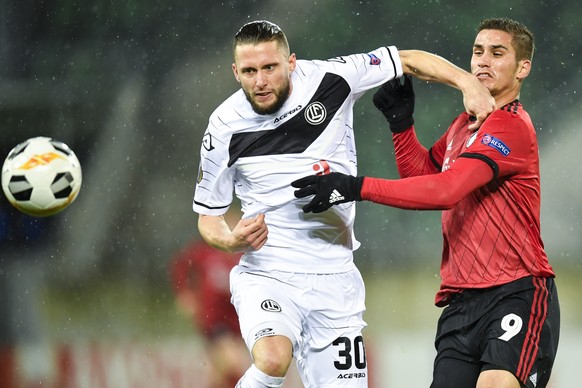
[18, 230]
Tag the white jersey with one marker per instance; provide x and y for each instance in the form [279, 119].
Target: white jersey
[258, 156]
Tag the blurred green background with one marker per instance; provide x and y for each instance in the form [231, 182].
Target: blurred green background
[129, 86]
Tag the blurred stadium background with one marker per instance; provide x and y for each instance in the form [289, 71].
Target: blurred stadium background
[85, 299]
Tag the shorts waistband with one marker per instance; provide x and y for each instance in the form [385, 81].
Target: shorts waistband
[511, 287]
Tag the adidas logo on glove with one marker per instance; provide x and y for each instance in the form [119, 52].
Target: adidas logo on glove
[335, 196]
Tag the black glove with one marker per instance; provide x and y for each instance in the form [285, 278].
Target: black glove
[329, 189]
[396, 102]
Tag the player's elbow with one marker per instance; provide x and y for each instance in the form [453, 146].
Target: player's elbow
[447, 199]
[450, 187]
[446, 204]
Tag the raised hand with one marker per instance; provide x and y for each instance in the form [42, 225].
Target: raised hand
[396, 102]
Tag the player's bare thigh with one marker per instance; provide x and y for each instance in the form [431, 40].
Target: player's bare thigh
[497, 379]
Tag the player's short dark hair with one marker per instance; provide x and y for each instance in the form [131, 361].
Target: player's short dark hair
[523, 38]
[260, 31]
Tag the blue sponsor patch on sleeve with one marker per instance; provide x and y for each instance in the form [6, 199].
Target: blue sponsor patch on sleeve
[494, 142]
[374, 60]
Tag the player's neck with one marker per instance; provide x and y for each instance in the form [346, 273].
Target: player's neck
[505, 98]
[499, 103]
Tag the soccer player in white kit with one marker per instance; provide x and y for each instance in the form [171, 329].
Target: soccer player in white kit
[296, 289]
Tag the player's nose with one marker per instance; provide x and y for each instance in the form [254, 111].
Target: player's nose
[261, 79]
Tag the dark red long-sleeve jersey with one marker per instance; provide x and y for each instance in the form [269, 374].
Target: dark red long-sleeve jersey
[488, 185]
[204, 272]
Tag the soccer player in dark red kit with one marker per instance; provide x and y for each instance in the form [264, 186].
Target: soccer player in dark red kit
[200, 278]
[502, 321]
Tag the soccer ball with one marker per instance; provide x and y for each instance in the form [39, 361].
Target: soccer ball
[41, 176]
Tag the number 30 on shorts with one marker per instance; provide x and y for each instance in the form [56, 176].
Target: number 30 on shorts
[350, 355]
[511, 324]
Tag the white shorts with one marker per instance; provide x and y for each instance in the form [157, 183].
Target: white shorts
[322, 315]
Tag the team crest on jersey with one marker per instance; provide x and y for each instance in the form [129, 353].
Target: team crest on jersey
[374, 60]
[315, 113]
[495, 143]
[270, 305]
[470, 140]
[207, 142]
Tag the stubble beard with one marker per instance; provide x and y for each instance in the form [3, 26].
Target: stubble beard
[282, 95]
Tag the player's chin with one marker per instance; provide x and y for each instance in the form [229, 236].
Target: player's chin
[265, 107]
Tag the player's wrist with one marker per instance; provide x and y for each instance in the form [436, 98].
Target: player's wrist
[356, 186]
[467, 83]
[397, 126]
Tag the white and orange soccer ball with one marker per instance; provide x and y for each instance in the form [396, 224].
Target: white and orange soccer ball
[41, 176]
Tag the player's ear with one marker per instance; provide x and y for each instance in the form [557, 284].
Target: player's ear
[523, 68]
[292, 62]
[235, 72]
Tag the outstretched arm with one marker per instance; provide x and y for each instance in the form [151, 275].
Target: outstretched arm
[427, 192]
[430, 67]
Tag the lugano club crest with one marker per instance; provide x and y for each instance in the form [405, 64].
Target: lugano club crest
[315, 113]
